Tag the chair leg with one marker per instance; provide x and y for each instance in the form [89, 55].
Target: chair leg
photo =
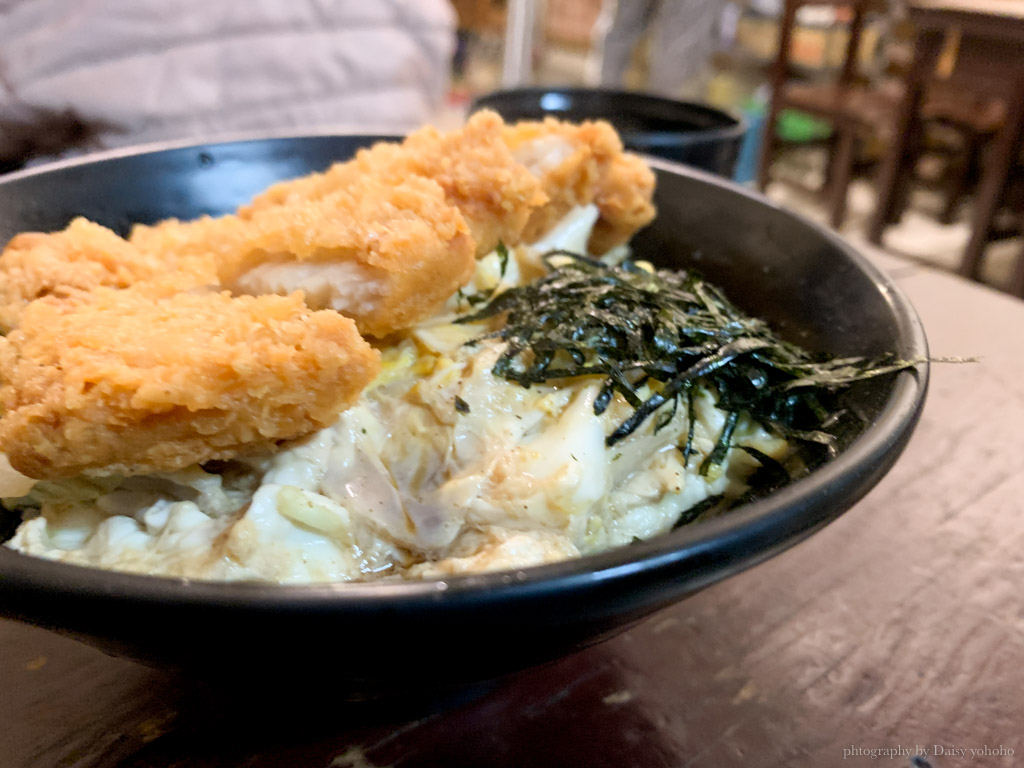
[831, 150]
[764, 160]
[1017, 278]
[842, 171]
[961, 176]
[926, 53]
[1005, 147]
[779, 75]
[901, 195]
[1016, 286]
[906, 173]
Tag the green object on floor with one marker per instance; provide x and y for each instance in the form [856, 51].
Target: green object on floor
[796, 126]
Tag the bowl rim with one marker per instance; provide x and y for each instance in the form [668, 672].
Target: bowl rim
[735, 132]
[778, 520]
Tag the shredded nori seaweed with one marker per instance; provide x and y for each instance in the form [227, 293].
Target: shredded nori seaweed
[671, 331]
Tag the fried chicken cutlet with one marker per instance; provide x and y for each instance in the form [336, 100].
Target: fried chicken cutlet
[578, 165]
[379, 239]
[206, 240]
[385, 255]
[473, 165]
[128, 381]
[511, 183]
[117, 364]
[78, 258]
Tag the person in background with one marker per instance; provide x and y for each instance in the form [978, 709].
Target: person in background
[472, 15]
[683, 37]
[80, 75]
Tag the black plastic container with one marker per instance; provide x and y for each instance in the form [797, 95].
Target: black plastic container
[685, 132]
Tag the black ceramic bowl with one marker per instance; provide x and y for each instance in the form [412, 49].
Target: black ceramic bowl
[376, 638]
[693, 134]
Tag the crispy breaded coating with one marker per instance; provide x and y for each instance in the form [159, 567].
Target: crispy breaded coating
[387, 256]
[512, 183]
[125, 381]
[579, 165]
[114, 362]
[204, 241]
[78, 258]
[473, 165]
[83, 256]
[623, 198]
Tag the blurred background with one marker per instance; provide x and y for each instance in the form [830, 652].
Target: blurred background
[898, 123]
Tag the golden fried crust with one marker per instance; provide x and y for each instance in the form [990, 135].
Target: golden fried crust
[511, 182]
[125, 381]
[78, 258]
[473, 165]
[579, 165]
[412, 249]
[479, 175]
[203, 241]
[623, 198]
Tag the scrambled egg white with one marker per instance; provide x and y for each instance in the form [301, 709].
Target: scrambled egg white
[441, 468]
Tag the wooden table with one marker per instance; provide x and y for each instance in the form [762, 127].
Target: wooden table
[900, 625]
[991, 61]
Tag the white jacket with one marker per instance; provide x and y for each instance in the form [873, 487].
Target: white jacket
[131, 71]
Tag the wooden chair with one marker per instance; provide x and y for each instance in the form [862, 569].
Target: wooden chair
[857, 110]
[976, 119]
[956, 97]
[845, 103]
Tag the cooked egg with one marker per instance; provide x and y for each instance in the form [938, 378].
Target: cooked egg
[440, 468]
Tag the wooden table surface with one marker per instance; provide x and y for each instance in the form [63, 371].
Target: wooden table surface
[1010, 8]
[900, 627]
